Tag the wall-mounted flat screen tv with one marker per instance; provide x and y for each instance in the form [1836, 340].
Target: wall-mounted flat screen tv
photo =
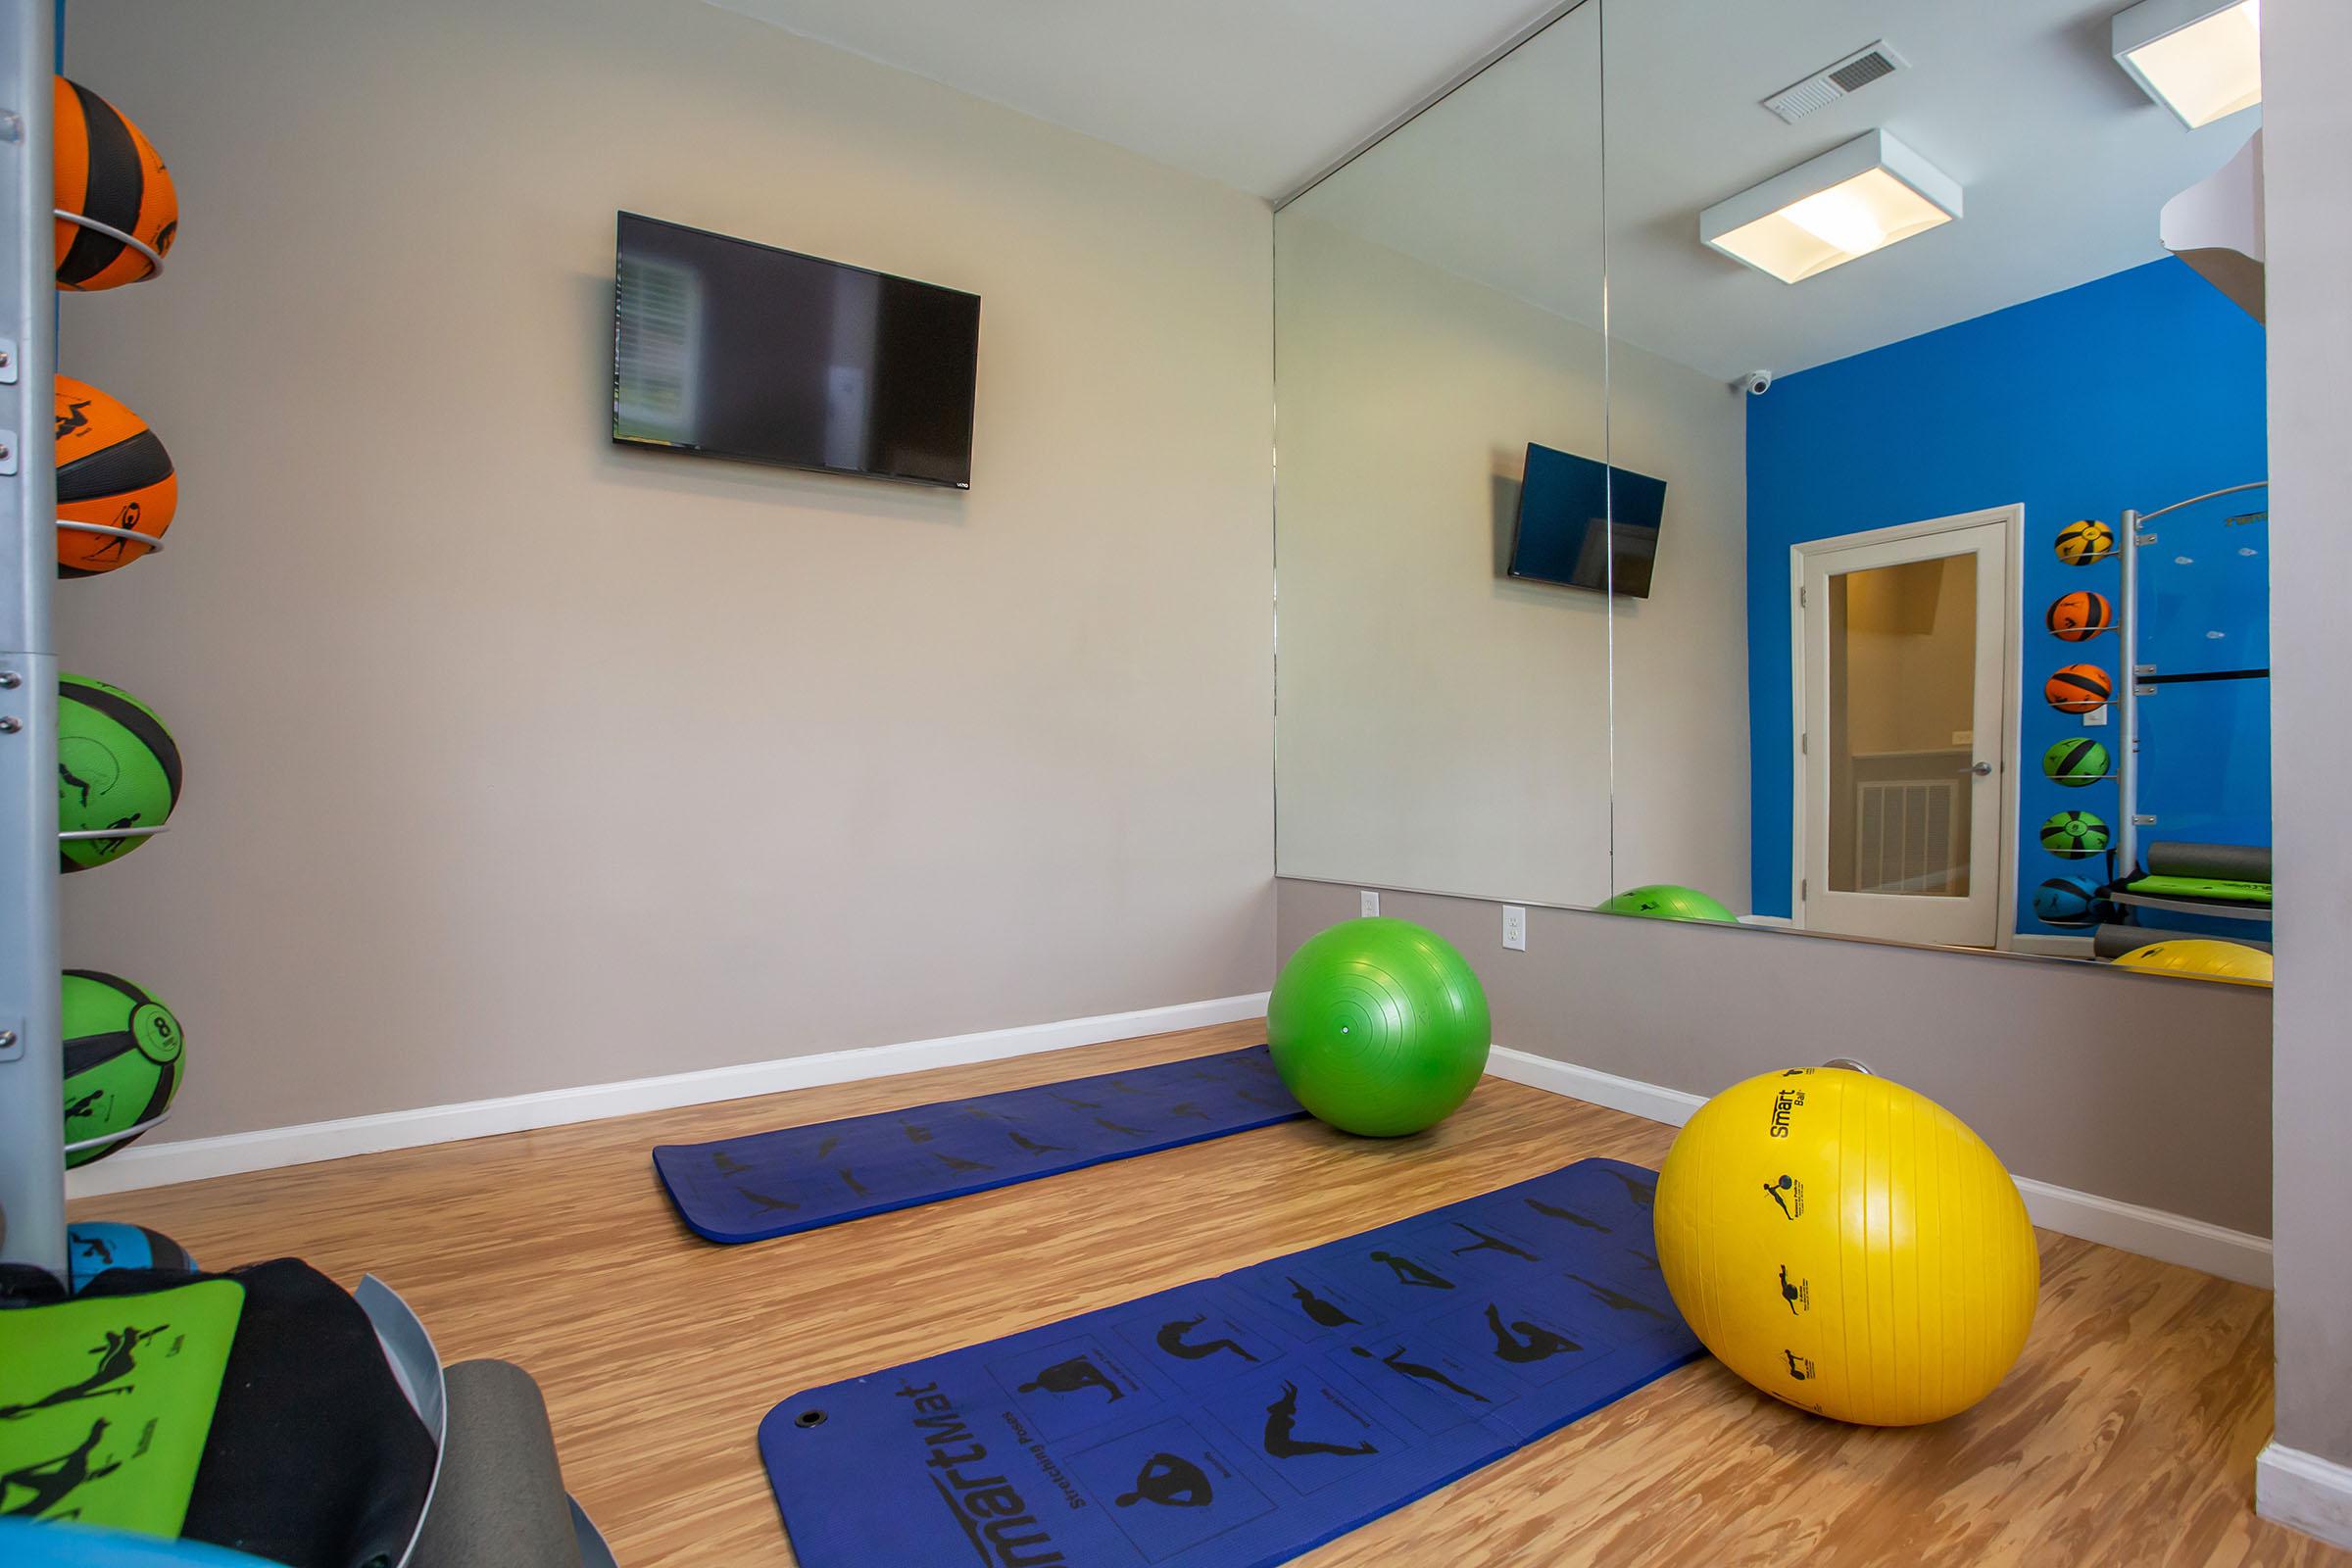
[730, 348]
[1564, 534]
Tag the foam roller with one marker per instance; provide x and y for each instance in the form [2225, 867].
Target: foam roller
[500, 1501]
[2112, 941]
[2216, 862]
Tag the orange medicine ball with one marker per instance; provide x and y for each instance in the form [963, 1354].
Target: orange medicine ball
[2077, 689]
[111, 470]
[2079, 615]
[107, 170]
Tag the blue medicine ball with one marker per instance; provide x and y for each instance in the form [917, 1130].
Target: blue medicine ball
[2066, 900]
[93, 1246]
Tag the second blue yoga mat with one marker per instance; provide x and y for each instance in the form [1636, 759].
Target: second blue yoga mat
[795, 1178]
[1239, 1421]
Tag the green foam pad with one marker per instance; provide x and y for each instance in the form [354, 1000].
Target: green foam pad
[105, 1403]
[2198, 887]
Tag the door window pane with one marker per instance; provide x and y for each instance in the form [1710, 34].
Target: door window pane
[1902, 727]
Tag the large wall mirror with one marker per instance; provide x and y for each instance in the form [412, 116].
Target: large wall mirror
[1842, 499]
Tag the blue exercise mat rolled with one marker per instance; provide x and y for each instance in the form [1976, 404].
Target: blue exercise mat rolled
[1239, 1421]
[771, 1184]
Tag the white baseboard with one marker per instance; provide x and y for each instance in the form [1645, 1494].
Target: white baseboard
[153, 1164]
[1649, 1101]
[2150, 1232]
[2305, 1493]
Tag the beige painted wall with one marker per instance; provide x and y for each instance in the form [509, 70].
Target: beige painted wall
[2147, 1090]
[516, 760]
[1440, 725]
[2308, 125]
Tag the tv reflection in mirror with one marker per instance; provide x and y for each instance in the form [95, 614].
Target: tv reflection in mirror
[1564, 533]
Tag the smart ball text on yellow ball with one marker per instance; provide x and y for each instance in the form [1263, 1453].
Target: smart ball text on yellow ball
[1847, 1246]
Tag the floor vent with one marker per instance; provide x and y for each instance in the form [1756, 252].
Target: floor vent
[1826, 87]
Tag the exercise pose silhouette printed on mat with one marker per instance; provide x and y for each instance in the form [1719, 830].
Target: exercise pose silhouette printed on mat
[767, 1204]
[1489, 1244]
[1170, 1480]
[1408, 1272]
[728, 1164]
[50, 1481]
[1282, 1416]
[914, 1134]
[1568, 1214]
[1030, 1146]
[1171, 1339]
[1185, 1107]
[1316, 1308]
[959, 1165]
[1618, 1301]
[1077, 1105]
[831, 1142]
[1395, 1360]
[1639, 1191]
[1068, 1377]
[1523, 1342]
[1132, 1132]
[849, 1179]
[118, 1359]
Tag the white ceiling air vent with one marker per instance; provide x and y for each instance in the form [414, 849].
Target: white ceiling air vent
[1831, 84]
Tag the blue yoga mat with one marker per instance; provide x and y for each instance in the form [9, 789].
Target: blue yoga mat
[1241, 1420]
[772, 1184]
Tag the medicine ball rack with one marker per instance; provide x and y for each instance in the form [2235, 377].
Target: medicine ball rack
[33, 1164]
[2138, 681]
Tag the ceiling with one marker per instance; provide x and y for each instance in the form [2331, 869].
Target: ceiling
[2065, 162]
[1257, 94]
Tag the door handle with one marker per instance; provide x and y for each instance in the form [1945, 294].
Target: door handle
[1980, 769]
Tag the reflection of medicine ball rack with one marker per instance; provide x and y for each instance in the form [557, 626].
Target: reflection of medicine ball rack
[2233, 873]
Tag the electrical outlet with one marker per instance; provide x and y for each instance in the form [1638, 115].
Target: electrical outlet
[1369, 902]
[1514, 928]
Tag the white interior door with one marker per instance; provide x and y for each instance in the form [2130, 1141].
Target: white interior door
[1902, 732]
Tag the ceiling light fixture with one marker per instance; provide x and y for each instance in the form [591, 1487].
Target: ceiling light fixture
[1848, 202]
[2201, 59]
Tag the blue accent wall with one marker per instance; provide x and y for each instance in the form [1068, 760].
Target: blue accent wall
[2136, 390]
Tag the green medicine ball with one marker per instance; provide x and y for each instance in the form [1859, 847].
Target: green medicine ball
[2075, 763]
[2073, 835]
[1378, 1027]
[1664, 900]
[123, 1051]
[117, 767]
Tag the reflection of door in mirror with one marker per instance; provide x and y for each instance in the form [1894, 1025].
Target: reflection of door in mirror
[1901, 735]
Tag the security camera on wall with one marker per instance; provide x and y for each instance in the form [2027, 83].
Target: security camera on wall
[1755, 383]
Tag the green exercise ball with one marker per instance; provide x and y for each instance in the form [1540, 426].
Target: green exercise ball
[1378, 1027]
[1663, 901]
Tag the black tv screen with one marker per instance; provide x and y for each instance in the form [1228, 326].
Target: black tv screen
[1565, 533]
[723, 347]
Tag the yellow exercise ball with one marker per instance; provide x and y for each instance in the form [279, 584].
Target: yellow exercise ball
[2234, 962]
[1847, 1246]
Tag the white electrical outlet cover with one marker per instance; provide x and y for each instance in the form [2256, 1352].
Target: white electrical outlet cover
[1514, 927]
[1368, 902]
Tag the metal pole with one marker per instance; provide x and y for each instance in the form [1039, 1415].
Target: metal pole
[2126, 760]
[32, 1171]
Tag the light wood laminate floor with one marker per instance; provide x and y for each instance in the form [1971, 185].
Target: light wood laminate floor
[2126, 1434]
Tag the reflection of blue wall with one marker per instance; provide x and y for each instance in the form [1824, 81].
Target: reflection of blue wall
[2136, 390]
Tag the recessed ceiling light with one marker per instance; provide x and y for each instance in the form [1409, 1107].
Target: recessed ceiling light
[2201, 59]
[1855, 199]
